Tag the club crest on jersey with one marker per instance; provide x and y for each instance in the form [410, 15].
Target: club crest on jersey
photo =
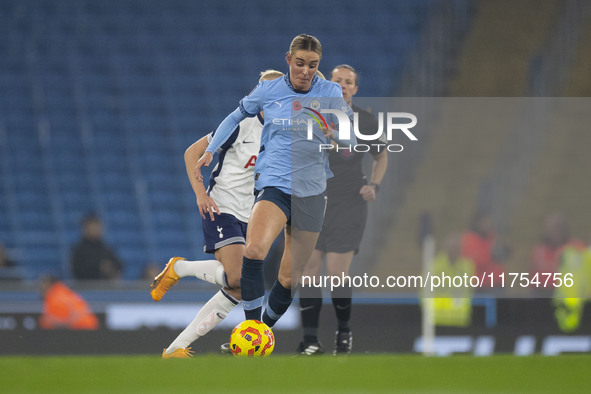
[220, 229]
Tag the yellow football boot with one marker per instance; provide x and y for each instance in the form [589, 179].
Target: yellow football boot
[165, 280]
[179, 353]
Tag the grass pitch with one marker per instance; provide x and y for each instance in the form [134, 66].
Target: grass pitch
[325, 374]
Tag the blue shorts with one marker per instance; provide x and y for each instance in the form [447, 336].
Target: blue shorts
[303, 213]
[224, 230]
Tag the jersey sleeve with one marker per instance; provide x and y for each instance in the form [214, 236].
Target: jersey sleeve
[225, 130]
[252, 104]
[229, 141]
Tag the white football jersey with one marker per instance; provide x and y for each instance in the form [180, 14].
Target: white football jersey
[231, 184]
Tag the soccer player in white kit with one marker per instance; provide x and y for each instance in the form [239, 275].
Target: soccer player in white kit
[225, 209]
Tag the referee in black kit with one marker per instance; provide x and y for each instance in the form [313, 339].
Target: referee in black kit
[344, 222]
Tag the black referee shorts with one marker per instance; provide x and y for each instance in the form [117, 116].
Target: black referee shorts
[344, 224]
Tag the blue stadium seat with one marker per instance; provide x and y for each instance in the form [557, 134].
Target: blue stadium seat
[166, 219]
[38, 223]
[76, 198]
[166, 181]
[126, 238]
[43, 260]
[30, 181]
[32, 201]
[120, 203]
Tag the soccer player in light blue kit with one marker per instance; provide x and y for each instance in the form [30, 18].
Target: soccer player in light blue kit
[290, 174]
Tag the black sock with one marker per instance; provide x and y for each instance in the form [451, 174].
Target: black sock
[341, 300]
[310, 306]
[252, 284]
[279, 300]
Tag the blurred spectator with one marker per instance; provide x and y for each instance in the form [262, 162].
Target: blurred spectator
[64, 308]
[91, 258]
[9, 270]
[558, 252]
[453, 305]
[5, 260]
[569, 297]
[480, 245]
[555, 237]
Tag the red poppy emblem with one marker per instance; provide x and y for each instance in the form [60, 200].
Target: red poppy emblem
[346, 154]
[297, 106]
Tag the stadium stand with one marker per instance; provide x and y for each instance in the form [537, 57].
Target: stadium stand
[579, 84]
[517, 172]
[99, 100]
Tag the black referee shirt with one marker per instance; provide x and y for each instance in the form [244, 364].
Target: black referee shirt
[347, 165]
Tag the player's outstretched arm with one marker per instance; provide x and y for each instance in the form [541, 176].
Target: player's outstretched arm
[205, 203]
[224, 131]
[221, 135]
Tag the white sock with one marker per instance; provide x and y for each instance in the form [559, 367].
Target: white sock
[213, 312]
[211, 271]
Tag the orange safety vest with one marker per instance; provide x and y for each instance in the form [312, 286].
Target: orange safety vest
[64, 308]
[479, 250]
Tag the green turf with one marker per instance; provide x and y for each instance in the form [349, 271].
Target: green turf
[326, 374]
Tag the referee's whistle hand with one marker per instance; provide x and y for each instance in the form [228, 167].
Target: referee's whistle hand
[368, 193]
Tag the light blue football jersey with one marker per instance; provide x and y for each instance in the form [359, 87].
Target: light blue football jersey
[289, 159]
